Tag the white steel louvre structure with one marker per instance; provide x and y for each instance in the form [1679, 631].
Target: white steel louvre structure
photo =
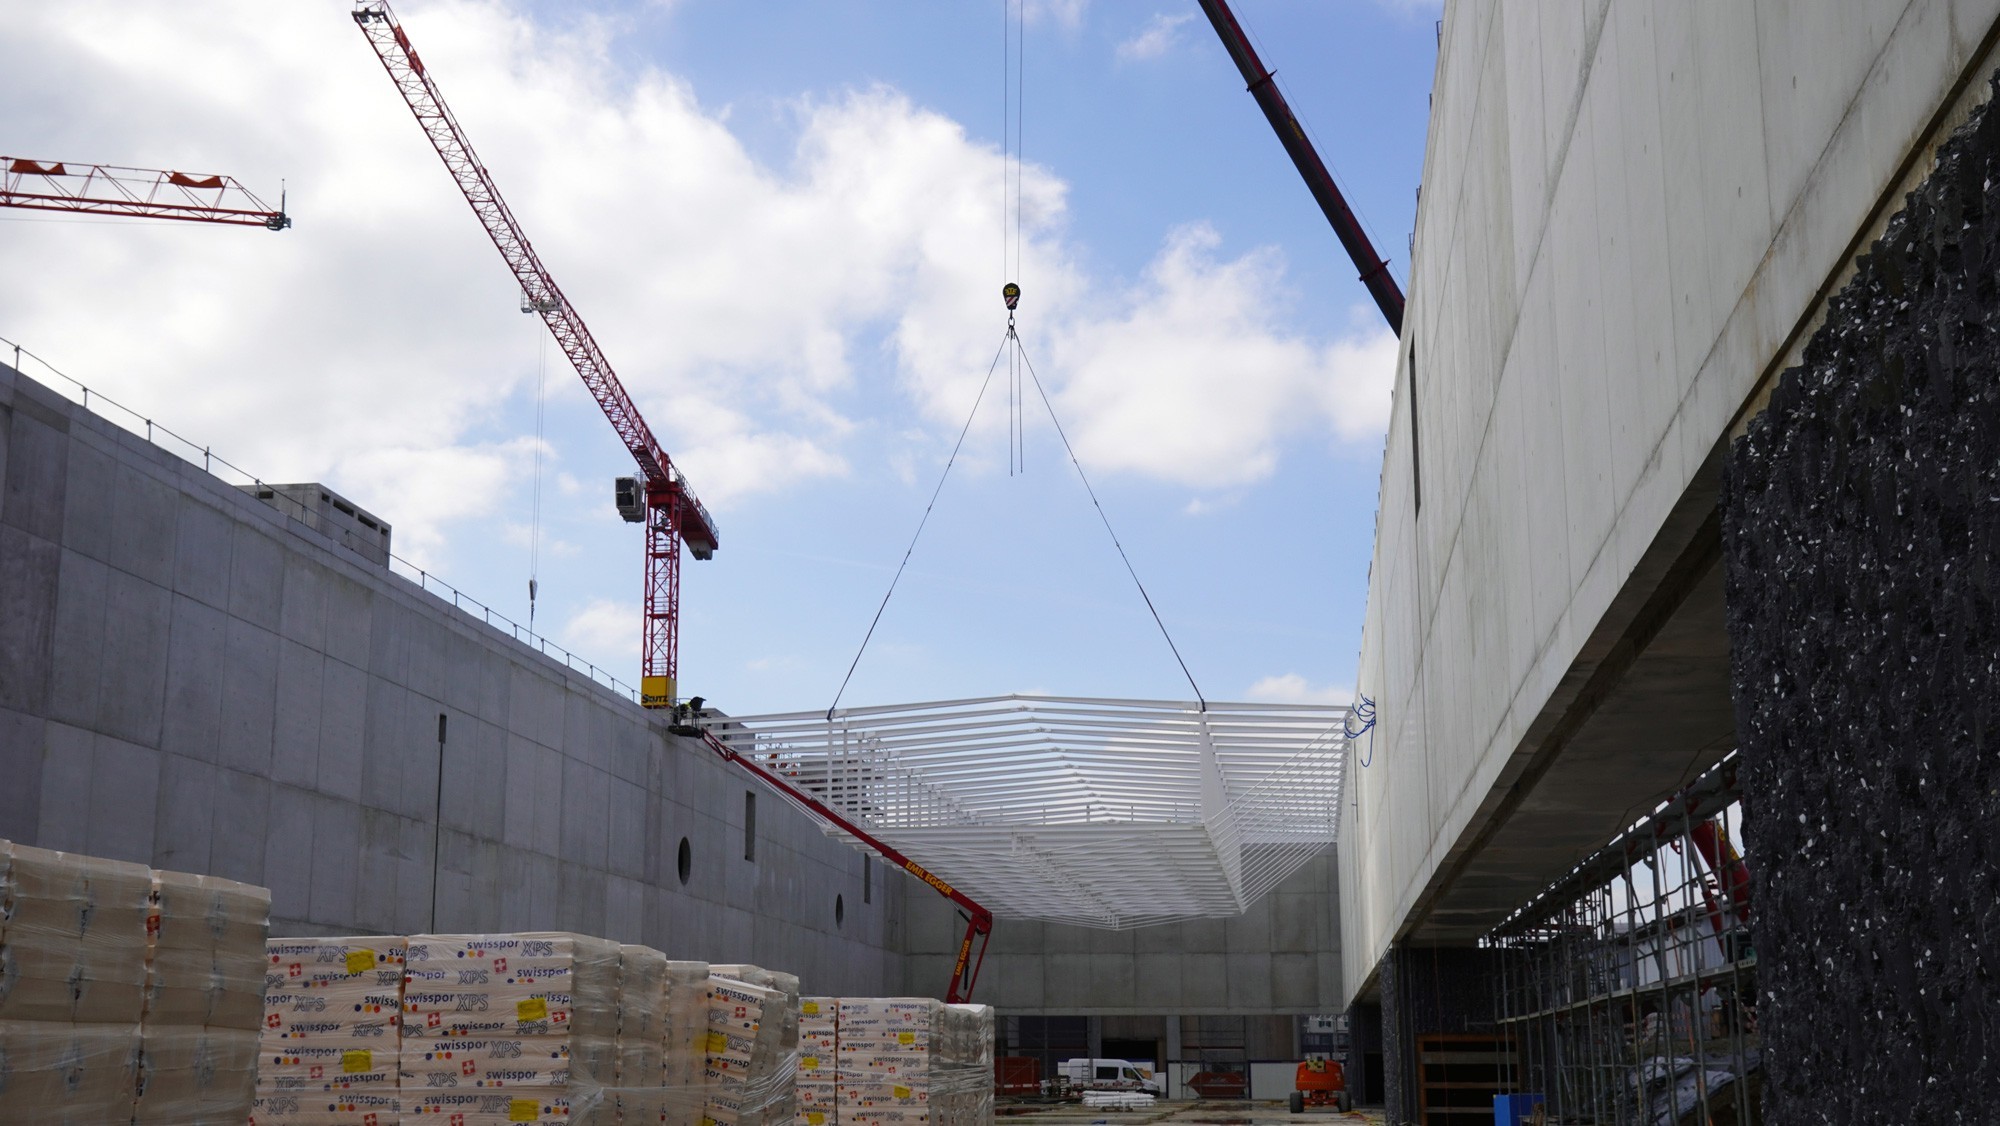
[1104, 813]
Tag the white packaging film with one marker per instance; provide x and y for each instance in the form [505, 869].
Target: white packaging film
[911, 1061]
[752, 1046]
[126, 995]
[481, 1030]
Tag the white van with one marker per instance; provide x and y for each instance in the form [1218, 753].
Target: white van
[1110, 1075]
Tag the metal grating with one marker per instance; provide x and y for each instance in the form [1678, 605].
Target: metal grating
[1103, 813]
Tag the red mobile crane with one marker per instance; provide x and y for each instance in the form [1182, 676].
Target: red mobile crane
[660, 497]
[146, 193]
[978, 920]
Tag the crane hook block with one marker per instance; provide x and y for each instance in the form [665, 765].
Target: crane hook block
[1011, 294]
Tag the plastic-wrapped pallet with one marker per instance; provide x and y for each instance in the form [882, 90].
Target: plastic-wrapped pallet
[684, 1036]
[330, 1049]
[75, 947]
[962, 1073]
[72, 984]
[204, 1001]
[913, 1061]
[511, 1028]
[642, 973]
[885, 1052]
[752, 1046]
[819, 1059]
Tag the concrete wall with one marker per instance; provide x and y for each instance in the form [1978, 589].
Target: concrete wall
[192, 680]
[1281, 956]
[1628, 215]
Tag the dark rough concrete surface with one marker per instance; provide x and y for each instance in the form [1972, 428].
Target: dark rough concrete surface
[1861, 517]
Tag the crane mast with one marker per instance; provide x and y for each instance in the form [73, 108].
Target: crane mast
[660, 497]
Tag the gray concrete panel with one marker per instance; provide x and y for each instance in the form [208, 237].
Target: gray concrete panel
[90, 522]
[201, 553]
[196, 644]
[124, 800]
[30, 572]
[243, 823]
[68, 754]
[1204, 983]
[249, 697]
[37, 466]
[288, 856]
[143, 512]
[21, 739]
[302, 604]
[295, 734]
[138, 619]
[82, 596]
[336, 854]
[349, 619]
[184, 824]
[339, 764]
[256, 575]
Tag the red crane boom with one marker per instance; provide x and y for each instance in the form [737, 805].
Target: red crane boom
[146, 193]
[669, 508]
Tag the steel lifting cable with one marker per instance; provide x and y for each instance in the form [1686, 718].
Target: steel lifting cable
[1017, 360]
[1029, 366]
[907, 552]
[535, 529]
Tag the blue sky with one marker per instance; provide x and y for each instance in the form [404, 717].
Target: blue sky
[782, 222]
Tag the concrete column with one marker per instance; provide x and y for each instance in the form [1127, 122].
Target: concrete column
[1093, 1031]
[1173, 1037]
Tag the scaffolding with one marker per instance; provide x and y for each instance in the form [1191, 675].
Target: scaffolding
[1629, 986]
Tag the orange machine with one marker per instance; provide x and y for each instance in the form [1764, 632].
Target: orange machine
[1320, 1083]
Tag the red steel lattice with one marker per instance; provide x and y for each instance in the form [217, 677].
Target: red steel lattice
[674, 513]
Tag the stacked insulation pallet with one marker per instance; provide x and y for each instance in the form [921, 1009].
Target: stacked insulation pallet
[752, 1046]
[912, 1061]
[331, 1047]
[126, 995]
[536, 1028]
[517, 1028]
[819, 1059]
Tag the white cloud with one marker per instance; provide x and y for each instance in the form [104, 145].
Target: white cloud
[374, 345]
[605, 629]
[1066, 14]
[1160, 35]
[1193, 379]
[1291, 688]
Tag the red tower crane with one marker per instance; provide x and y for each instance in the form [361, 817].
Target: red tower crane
[660, 496]
[146, 193]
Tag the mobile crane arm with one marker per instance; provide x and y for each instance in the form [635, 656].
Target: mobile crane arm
[979, 921]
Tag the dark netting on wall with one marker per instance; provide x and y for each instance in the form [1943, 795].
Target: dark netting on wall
[1629, 988]
[1861, 515]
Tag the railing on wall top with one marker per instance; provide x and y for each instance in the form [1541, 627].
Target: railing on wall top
[227, 472]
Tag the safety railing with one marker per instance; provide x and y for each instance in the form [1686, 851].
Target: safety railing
[214, 464]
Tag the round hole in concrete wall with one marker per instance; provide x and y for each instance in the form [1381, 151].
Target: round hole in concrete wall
[839, 910]
[685, 862]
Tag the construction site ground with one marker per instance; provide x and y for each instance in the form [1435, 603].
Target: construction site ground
[1200, 1111]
